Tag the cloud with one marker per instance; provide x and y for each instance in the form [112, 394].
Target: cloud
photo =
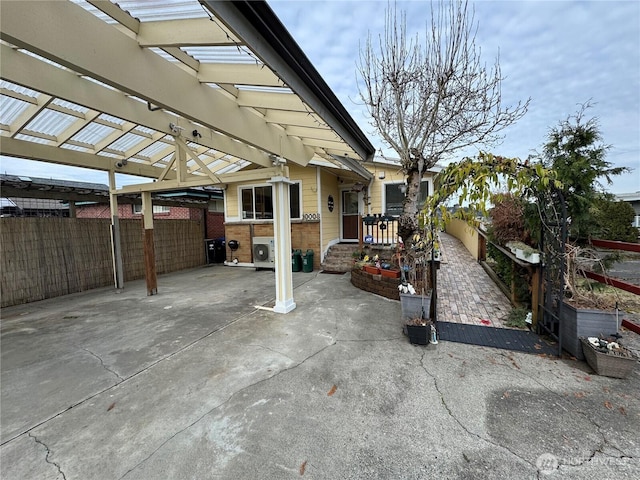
[561, 54]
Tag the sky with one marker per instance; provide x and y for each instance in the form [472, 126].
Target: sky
[560, 54]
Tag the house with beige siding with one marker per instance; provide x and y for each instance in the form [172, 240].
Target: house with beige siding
[327, 204]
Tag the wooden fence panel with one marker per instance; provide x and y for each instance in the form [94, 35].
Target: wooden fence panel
[48, 257]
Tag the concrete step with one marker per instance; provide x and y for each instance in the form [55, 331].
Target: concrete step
[339, 258]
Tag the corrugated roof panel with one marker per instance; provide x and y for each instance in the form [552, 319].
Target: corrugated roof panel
[11, 109]
[19, 89]
[71, 106]
[109, 154]
[228, 169]
[222, 54]
[165, 55]
[111, 119]
[91, 79]
[92, 133]
[153, 149]
[43, 141]
[256, 88]
[146, 130]
[43, 59]
[126, 142]
[90, 8]
[153, 10]
[50, 122]
[77, 148]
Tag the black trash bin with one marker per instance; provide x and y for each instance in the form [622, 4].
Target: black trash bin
[296, 261]
[210, 246]
[307, 261]
[220, 250]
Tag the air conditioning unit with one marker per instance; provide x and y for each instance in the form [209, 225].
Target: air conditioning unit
[263, 252]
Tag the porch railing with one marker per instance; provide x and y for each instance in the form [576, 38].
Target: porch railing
[379, 229]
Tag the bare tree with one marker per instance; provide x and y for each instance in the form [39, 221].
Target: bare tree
[430, 99]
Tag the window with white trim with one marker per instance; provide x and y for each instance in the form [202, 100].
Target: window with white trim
[137, 209]
[257, 202]
[394, 196]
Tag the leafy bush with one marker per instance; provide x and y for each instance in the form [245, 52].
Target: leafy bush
[613, 220]
[507, 220]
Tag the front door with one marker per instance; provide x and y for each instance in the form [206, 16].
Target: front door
[350, 216]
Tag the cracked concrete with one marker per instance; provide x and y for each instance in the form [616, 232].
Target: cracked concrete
[47, 459]
[215, 388]
[102, 363]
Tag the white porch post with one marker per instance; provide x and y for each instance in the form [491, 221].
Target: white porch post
[116, 247]
[282, 245]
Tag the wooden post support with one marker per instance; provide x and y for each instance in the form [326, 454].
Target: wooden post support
[535, 294]
[149, 251]
[513, 283]
[482, 247]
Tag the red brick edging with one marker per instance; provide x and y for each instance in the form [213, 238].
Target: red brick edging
[383, 286]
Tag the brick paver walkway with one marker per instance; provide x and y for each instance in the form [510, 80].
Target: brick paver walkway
[466, 294]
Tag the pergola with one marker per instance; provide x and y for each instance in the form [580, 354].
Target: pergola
[187, 93]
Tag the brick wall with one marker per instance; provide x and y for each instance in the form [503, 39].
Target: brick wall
[304, 236]
[102, 210]
[383, 286]
[215, 225]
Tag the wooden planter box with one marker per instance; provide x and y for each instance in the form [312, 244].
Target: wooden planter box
[579, 322]
[390, 273]
[607, 365]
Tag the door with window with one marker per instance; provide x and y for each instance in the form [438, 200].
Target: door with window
[350, 215]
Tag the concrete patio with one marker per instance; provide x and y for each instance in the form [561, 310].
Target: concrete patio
[196, 382]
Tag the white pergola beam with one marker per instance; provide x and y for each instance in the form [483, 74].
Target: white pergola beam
[12, 147]
[269, 100]
[238, 74]
[300, 119]
[115, 12]
[181, 33]
[203, 181]
[25, 70]
[69, 35]
[310, 132]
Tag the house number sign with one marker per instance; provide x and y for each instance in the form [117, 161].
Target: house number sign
[330, 203]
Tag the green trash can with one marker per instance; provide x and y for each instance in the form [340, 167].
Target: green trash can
[296, 260]
[307, 261]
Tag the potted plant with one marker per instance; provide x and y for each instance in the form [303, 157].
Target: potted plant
[415, 314]
[586, 311]
[607, 357]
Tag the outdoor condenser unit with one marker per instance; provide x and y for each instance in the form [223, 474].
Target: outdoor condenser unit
[263, 252]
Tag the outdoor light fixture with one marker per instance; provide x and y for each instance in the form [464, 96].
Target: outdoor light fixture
[403, 187]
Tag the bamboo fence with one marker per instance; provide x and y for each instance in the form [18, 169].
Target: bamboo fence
[48, 257]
